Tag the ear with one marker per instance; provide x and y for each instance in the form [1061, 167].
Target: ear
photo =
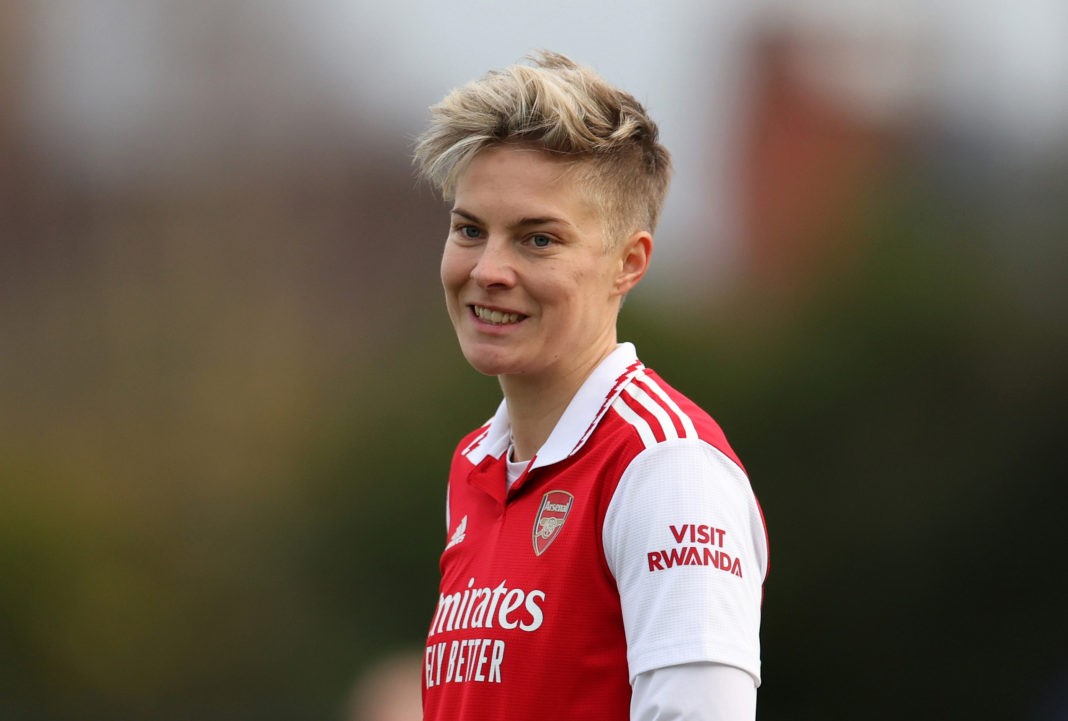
[634, 255]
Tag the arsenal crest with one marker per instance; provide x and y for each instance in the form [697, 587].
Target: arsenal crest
[555, 505]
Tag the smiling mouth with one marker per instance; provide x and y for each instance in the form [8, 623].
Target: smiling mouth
[496, 317]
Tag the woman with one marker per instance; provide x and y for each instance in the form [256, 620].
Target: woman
[605, 554]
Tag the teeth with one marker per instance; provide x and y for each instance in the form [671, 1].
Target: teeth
[495, 316]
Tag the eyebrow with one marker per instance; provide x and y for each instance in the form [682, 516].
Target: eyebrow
[521, 223]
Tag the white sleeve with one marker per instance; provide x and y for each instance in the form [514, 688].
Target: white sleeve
[684, 539]
[693, 692]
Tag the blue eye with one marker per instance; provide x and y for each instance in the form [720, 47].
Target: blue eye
[541, 241]
[469, 231]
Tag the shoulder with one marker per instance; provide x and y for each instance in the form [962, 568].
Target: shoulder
[471, 447]
[472, 438]
[656, 413]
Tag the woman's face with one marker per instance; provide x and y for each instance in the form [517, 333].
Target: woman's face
[531, 285]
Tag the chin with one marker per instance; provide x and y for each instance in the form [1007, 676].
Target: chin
[488, 368]
[491, 364]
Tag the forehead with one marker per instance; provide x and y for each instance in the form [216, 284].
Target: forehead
[523, 178]
[518, 164]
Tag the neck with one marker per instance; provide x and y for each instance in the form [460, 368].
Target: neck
[533, 416]
[535, 405]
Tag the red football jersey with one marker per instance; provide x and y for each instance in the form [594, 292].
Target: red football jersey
[631, 541]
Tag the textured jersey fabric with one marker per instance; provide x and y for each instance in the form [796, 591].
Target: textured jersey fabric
[632, 541]
[693, 691]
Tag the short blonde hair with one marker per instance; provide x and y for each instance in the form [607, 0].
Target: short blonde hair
[556, 106]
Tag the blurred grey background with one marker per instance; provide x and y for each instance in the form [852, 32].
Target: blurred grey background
[229, 391]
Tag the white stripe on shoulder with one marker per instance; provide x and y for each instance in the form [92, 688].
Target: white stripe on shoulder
[687, 423]
[640, 425]
[667, 426]
[475, 444]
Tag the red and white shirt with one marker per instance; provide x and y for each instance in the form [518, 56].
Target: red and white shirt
[632, 541]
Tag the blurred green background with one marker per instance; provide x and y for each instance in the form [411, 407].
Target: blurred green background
[229, 389]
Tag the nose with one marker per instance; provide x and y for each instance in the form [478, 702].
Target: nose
[495, 267]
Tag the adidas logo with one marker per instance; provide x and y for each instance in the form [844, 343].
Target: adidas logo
[458, 534]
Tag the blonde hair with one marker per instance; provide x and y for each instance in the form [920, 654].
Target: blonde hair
[556, 106]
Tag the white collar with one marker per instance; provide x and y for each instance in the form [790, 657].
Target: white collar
[582, 415]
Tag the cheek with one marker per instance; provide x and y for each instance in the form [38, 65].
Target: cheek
[569, 302]
[587, 299]
[452, 269]
[580, 286]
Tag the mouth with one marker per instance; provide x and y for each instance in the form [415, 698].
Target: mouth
[496, 317]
